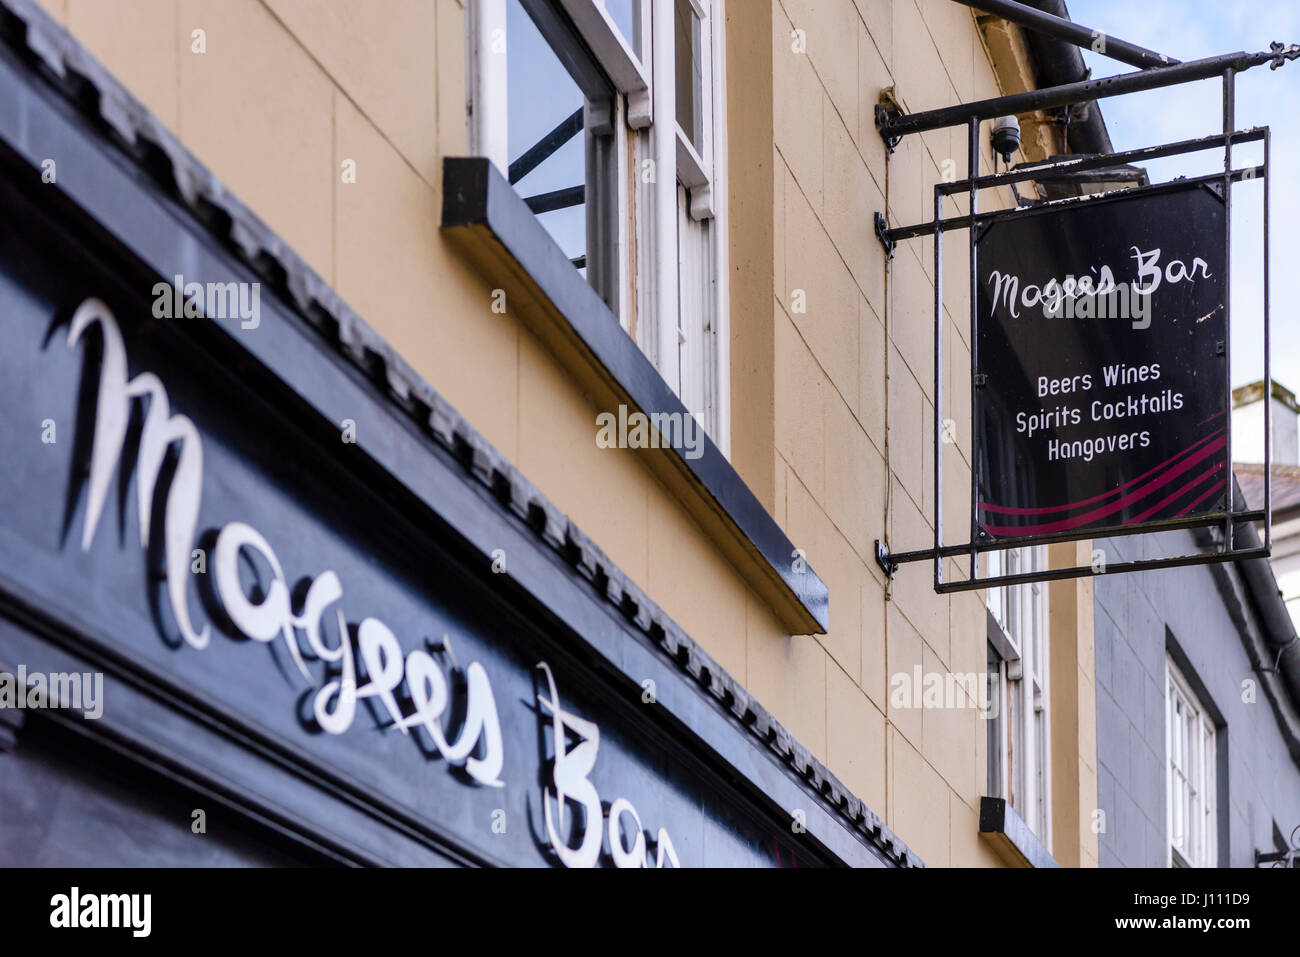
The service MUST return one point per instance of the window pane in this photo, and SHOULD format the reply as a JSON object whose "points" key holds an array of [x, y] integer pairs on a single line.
{"points": [[1180, 798], [1041, 769], [1205, 745], [994, 722], [542, 97], [1193, 822], [690, 78], [1015, 742], [564, 169], [626, 15], [1176, 737]]}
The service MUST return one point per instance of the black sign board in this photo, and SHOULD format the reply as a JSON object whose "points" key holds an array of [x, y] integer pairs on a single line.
{"points": [[1100, 400]]}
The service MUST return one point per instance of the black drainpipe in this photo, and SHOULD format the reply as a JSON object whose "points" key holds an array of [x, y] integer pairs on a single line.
{"points": [[1281, 643], [1265, 627], [1058, 62]]}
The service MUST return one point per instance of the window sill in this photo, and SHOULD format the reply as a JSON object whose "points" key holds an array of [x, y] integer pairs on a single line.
{"points": [[492, 225], [1010, 837], [1000, 640]]}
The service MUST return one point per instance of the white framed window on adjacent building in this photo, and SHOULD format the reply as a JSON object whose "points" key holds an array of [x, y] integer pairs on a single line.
{"points": [[1019, 734], [1191, 782], [609, 118]]}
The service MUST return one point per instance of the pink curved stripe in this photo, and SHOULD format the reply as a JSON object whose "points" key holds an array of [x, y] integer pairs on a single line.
{"points": [[1218, 487], [1136, 495], [1176, 494], [1014, 510]]}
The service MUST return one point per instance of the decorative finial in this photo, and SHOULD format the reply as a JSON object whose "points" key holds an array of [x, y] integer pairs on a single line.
{"points": [[1282, 53]]}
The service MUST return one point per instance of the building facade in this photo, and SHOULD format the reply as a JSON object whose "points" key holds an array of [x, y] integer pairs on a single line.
{"points": [[1198, 691], [580, 364], [1197, 713]]}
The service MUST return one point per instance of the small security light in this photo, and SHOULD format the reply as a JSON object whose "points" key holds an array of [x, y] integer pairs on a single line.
{"points": [[1006, 136]]}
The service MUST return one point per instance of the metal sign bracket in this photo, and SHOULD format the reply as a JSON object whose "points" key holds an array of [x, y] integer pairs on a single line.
{"points": [[893, 124]]}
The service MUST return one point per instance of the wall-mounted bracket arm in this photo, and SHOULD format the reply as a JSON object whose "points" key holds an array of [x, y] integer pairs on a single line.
{"points": [[883, 234], [884, 118], [1050, 25], [883, 559], [893, 125]]}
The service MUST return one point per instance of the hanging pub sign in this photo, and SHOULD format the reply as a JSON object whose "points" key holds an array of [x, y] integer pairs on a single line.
{"points": [[1100, 399], [1099, 336]]}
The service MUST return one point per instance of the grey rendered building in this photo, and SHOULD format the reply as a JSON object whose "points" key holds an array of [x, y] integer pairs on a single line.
{"points": [[1198, 711]]}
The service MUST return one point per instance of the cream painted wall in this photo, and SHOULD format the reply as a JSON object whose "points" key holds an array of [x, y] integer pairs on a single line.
{"points": [[286, 91], [838, 400], [854, 390]]}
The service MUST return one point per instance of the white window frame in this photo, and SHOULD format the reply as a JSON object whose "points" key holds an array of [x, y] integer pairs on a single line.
{"points": [[616, 53], [1024, 688], [650, 287], [1191, 776], [696, 171], [487, 77], [666, 321], [486, 106]]}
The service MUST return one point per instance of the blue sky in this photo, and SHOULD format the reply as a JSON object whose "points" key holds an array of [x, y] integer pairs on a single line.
{"points": [[540, 94], [1191, 29]]}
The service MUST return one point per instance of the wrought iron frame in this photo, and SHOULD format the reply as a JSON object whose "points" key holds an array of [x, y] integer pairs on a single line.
{"points": [[892, 125]]}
